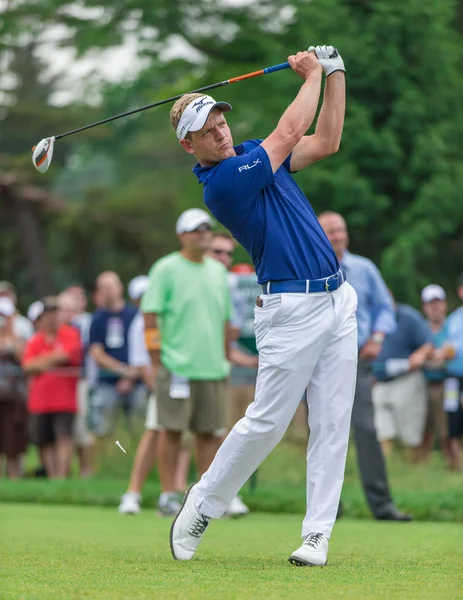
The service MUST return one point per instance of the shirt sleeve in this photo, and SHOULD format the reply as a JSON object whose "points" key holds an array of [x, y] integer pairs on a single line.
{"points": [[138, 354], [97, 333], [381, 305], [237, 180], [156, 296]]}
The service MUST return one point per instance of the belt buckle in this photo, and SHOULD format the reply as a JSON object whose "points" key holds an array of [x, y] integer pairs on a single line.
{"points": [[327, 285]]}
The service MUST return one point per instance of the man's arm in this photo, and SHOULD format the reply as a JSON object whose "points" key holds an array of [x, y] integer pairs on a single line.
{"points": [[382, 306], [420, 356], [105, 361], [327, 137], [44, 362], [299, 115]]}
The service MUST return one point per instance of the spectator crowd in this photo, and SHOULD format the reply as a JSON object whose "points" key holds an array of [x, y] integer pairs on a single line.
{"points": [[179, 359]]}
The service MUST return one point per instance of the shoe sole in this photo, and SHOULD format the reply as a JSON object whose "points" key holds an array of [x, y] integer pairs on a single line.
{"points": [[187, 493], [297, 562]]}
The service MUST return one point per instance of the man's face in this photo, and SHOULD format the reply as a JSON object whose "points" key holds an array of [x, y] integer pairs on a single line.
{"points": [[50, 320], [198, 240], [68, 307], [109, 289], [435, 311], [222, 249], [80, 297], [213, 142], [335, 228]]}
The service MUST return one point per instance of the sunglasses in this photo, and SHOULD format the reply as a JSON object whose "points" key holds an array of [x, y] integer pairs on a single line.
{"points": [[203, 227], [228, 252]]}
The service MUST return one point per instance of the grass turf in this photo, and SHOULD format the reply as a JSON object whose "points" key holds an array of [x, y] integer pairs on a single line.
{"points": [[428, 490], [70, 552]]}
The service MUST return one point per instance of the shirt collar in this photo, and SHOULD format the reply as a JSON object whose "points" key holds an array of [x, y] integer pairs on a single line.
{"points": [[203, 173]]}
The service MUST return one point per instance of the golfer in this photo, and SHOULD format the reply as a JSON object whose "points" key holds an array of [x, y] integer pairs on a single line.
{"points": [[305, 325]]}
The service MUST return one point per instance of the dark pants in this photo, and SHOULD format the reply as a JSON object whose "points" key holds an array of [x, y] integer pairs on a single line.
{"points": [[369, 454]]}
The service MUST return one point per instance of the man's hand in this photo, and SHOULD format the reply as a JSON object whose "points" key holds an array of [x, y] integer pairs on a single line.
{"points": [[329, 58], [124, 386], [304, 64], [370, 350], [416, 361]]}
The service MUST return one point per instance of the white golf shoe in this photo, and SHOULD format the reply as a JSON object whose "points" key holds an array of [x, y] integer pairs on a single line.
{"points": [[188, 528], [130, 504], [312, 553], [237, 508]]}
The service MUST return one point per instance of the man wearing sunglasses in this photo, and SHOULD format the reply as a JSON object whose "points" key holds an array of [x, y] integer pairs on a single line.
{"points": [[187, 309]]}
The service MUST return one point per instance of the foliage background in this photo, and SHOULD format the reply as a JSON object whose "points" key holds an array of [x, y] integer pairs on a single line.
{"points": [[398, 176]]}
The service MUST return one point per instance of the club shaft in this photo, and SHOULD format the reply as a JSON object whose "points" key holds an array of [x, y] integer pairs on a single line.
{"points": [[206, 88]]}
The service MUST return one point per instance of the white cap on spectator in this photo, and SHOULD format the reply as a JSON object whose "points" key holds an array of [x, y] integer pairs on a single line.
{"points": [[7, 308], [191, 219], [35, 310], [433, 292], [138, 286]]}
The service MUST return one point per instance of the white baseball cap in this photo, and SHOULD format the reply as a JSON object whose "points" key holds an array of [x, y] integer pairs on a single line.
{"points": [[433, 292], [195, 114], [191, 219], [7, 308], [35, 310], [138, 286]]}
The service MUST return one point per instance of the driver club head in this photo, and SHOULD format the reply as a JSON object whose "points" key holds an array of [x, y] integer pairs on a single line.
{"points": [[42, 154]]}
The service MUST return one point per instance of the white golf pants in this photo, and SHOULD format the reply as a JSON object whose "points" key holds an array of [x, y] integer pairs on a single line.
{"points": [[304, 341]]}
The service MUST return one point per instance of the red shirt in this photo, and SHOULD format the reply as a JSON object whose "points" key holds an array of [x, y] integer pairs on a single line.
{"points": [[50, 392]]}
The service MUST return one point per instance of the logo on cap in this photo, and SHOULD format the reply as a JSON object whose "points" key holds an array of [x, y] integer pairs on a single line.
{"points": [[201, 103]]}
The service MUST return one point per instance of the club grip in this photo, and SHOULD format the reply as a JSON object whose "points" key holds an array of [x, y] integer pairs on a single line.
{"points": [[276, 68]]}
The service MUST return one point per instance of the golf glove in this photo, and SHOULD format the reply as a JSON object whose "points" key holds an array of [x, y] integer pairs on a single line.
{"points": [[329, 58]]}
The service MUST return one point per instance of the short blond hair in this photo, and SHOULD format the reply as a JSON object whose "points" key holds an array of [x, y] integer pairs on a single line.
{"points": [[178, 108]]}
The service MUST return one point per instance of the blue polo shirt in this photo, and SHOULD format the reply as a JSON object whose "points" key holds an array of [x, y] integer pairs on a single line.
{"points": [[268, 215], [121, 335]]}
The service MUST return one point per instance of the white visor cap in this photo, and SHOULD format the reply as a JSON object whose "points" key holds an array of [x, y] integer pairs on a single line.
{"points": [[196, 113]]}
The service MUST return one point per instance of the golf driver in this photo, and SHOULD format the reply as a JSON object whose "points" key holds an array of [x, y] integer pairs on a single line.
{"points": [[42, 153]]}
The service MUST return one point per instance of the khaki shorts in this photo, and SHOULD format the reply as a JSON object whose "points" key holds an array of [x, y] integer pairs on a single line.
{"points": [[437, 417], [240, 398], [205, 411], [400, 409]]}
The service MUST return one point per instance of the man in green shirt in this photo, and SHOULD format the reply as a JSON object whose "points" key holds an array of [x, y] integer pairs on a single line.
{"points": [[187, 309]]}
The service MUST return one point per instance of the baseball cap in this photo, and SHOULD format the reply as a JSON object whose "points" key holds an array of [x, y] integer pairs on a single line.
{"points": [[7, 308], [35, 310], [138, 286], [195, 114], [433, 292], [191, 219]]}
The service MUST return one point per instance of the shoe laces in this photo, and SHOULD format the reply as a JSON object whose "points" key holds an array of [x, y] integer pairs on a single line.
{"points": [[313, 540], [199, 526]]}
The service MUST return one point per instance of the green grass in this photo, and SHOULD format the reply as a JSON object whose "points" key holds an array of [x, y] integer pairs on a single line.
{"points": [[428, 491], [64, 552]]}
